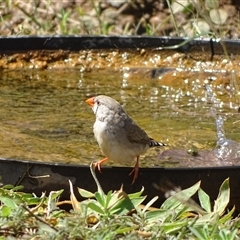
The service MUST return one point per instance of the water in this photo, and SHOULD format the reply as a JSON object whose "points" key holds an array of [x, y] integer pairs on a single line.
{"points": [[225, 149], [44, 116]]}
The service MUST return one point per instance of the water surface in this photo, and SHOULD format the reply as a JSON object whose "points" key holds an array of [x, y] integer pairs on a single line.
{"points": [[44, 116]]}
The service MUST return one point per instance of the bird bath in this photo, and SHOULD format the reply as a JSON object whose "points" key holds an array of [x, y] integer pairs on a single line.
{"points": [[44, 116], [179, 96]]}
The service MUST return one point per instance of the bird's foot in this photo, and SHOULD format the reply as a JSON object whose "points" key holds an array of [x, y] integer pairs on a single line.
{"points": [[99, 163], [135, 171]]}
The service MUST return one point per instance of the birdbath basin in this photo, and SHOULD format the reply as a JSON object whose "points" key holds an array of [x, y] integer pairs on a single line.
{"points": [[181, 92]]}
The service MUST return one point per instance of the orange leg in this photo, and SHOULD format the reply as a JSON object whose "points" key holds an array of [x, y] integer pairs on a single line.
{"points": [[99, 163], [135, 171]]}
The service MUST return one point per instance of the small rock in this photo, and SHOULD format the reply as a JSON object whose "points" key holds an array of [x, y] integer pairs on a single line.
{"points": [[117, 3], [218, 16], [109, 15], [90, 22], [179, 5], [202, 27]]}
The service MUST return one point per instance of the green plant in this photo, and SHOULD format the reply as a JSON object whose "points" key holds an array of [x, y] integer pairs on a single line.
{"points": [[116, 215]]}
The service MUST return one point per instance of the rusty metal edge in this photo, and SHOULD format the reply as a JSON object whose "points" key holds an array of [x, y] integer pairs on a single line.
{"points": [[76, 43], [45, 177]]}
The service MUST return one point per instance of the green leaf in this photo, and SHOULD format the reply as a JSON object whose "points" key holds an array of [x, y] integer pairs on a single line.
{"points": [[150, 203], [223, 197], [86, 194], [227, 216], [207, 218], [108, 198], [101, 198], [226, 234], [180, 197], [204, 200], [125, 205], [8, 202], [137, 201], [96, 208], [5, 211], [200, 233], [45, 229], [136, 195], [17, 188], [56, 194], [8, 186], [116, 197], [125, 230], [174, 226], [32, 200], [157, 215]]}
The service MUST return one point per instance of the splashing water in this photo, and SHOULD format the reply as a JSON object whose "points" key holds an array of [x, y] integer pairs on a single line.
{"points": [[226, 149]]}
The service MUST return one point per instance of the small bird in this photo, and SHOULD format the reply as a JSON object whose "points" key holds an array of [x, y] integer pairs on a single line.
{"points": [[118, 136]]}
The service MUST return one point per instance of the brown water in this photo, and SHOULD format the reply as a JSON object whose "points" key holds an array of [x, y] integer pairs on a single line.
{"points": [[44, 116]]}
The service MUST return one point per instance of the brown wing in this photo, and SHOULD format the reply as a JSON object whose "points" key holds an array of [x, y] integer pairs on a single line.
{"points": [[135, 133]]}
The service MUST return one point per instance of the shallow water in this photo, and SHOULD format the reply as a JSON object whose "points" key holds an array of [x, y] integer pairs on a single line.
{"points": [[44, 116]]}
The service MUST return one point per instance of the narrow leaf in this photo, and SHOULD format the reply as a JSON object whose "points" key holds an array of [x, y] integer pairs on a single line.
{"points": [[108, 199], [75, 204], [136, 195], [204, 200], [227, 216], [86, 194], [150, 203], [8, 202], [8, 186], [17, 188], [96, 208], [199, 233], [223, 197], [181, 197], [56, 194], [101, 198], [174, 226], [157, 215], [125, 205]]}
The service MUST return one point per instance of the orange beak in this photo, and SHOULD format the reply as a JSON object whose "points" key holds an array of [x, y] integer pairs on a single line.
{"points": [[90, 101]]}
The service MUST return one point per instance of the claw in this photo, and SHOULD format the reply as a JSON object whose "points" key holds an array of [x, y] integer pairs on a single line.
{"points": [[99, 163]]}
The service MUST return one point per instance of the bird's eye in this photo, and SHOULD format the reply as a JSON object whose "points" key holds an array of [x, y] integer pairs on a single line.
{"points": [[98, 103]]}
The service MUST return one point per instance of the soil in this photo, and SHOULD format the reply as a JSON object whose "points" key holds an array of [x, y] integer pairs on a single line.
{"points": [[111, 17]]}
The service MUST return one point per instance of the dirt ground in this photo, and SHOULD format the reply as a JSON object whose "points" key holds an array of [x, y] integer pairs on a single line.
{"points": [[118, 17]]}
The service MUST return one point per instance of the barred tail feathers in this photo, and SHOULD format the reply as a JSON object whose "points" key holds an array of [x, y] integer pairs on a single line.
{"points": [[153, 143]]}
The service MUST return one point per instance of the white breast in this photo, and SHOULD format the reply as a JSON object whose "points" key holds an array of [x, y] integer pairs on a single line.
{"points": [[99, 130], [114, 147]]}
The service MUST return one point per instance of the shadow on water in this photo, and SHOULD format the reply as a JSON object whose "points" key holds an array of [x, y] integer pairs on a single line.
{"points": [[44, 116]]}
